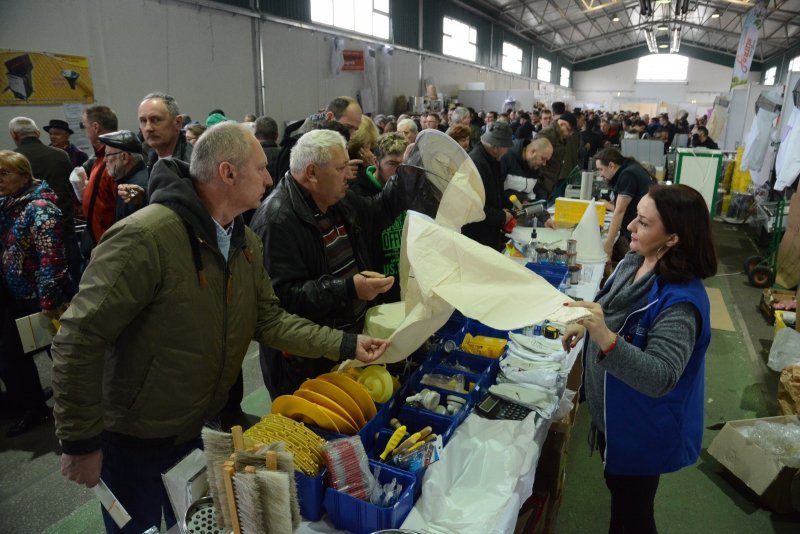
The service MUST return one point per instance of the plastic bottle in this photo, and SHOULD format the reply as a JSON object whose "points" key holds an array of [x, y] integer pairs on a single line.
{"points": [[532, 245]]}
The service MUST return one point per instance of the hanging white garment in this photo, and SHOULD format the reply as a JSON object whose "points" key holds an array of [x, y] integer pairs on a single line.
{"points": [[787, 164], [756, 141]]}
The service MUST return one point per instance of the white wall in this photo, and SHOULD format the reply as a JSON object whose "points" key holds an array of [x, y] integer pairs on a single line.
{"points": [[204, 58], [614, 86]]}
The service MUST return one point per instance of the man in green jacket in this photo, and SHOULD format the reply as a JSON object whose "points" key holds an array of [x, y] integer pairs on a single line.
{"points": [[167, 307]]}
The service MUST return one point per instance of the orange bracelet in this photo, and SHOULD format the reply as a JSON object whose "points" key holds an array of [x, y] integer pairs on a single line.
{"points": [[611, 347]]}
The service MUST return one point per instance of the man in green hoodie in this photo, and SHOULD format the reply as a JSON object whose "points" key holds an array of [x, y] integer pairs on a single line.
{"points": [[156, 336]]}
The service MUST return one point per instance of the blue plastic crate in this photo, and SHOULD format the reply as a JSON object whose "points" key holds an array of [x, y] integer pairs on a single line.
{"points": [[310, 493], [476, 364], [553, 273], [361, 517]]}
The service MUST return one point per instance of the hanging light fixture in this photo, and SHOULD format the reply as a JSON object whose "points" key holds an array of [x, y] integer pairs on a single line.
{"points": [[650, 38], [675, 42], [615, 18], [662, 27], [715, 15]]}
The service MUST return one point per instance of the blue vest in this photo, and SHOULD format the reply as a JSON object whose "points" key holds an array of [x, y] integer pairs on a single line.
{"points": [[652, 435]]}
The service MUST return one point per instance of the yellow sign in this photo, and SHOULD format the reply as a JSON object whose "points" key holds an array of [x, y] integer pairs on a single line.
{"points": [[30, 78]]}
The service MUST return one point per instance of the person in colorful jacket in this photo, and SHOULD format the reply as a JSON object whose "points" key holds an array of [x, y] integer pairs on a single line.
{"points": [[34, 278], [645, 356]]}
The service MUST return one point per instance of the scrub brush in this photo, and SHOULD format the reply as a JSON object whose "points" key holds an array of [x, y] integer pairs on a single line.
{"points": [[249, 501], [218, 447]]}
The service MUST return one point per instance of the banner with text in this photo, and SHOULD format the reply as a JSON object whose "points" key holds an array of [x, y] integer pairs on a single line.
{"points": [[30, 78], [747, 43]]}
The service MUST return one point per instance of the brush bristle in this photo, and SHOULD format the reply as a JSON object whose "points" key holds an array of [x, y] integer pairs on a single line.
{"points": [[275, 501], [249, 503], [218, 446]]}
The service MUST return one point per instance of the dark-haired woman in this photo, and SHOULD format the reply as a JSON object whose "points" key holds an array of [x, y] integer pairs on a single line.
{"points": [[645, 353], [630, 182]]}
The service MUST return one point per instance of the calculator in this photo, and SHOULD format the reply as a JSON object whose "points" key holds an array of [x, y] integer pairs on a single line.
{"points": [[493, 407]]}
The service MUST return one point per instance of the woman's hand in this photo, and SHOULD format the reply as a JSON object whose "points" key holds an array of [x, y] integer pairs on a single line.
{"points": [[595, 324], [572, 334]]}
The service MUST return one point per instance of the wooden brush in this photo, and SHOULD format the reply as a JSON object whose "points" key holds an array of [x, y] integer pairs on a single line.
{"points": [[227, 472], [249, 501], [276, 502], [218, 446]]}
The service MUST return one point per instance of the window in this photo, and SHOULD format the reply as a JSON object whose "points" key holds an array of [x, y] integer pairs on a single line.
{"points": [[370, 17], [565, 76], [512, 58], [543, 67], [459, 39], [662, 68], [794, 64], [769, 76]]}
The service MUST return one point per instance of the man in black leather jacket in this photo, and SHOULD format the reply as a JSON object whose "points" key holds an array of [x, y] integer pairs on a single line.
{"points": [[316, 236]]}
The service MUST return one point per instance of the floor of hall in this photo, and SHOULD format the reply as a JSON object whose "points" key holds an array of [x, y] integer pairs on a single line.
{"points": [[35, 498]]}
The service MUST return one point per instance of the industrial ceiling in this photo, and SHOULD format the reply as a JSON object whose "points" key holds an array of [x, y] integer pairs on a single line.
{"points": [[588, 29]]}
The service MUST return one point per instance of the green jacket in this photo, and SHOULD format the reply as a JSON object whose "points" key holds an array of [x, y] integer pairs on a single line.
{"points": [[155, 338]]}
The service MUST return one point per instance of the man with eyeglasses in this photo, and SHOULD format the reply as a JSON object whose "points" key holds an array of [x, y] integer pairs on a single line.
{"points": [[560, 165], [125, 163], [317, 236]]}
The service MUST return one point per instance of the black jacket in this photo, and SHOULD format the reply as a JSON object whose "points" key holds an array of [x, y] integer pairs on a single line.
{"points": [[489, 231], [52, 165], [294, 255]]}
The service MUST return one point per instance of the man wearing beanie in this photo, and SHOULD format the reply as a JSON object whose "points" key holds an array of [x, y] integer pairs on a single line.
{"points": [[487, 155]]}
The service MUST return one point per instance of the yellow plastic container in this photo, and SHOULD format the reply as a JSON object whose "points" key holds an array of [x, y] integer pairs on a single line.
{"points": [[489, 347], [779, 324], [569, 211]]}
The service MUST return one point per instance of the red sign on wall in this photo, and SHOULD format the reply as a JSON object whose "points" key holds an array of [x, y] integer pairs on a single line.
{"points": [[353, 60]]}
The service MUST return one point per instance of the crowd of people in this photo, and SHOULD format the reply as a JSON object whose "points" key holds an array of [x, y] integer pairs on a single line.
{"points": [[200, 237]]}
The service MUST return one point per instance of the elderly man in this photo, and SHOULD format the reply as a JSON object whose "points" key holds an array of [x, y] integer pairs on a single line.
{"points": [[53, 166], [409, 129], [59, 132], [100, 194], [160, 123], [317, 236], [522, 165], [562, 162], [125, 164], [151, 344], [487, 156]]}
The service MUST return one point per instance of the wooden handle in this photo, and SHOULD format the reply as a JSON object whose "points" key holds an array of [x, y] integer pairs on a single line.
{"points": [[238, 438], [272, 460], [227, 470]]}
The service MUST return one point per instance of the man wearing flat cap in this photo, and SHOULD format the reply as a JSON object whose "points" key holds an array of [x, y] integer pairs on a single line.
{"points": [[487, 155], [563, 161], [125, 163], [59, 132]]}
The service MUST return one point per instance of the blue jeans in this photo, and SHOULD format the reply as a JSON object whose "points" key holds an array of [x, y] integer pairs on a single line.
{"points": [[132, 470]]}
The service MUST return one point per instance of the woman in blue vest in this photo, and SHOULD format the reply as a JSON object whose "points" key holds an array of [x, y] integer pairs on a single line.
{"points": [[645, 353]]}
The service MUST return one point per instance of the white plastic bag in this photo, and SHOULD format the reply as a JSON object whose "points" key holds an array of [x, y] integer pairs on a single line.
{"points": [[77, 179], [785, 349]]}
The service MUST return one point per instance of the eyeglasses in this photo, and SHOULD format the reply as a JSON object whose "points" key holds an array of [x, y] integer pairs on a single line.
{"points": [[114, 154]]}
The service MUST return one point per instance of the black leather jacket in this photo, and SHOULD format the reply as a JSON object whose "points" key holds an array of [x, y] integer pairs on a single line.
{"points": [[294, 255]]}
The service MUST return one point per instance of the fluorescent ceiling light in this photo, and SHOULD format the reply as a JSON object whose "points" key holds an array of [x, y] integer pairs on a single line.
{"points": [[662, 27], [675, 42], [615, 18], [663, 1], [715, 15], [663, 45]]}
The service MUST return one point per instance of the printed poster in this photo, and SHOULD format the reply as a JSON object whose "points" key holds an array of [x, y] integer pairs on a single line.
{"points": [[41, 78]]}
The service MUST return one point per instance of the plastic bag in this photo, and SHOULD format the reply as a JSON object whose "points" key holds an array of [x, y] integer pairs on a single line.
{"points": [[785, 349]]}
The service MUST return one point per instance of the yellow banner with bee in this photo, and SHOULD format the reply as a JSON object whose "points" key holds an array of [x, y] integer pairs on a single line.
{"points": [[41, 78]]}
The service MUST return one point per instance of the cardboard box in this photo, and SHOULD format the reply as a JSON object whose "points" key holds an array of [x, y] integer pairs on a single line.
{"points": [[770, 297], [776, 484]]}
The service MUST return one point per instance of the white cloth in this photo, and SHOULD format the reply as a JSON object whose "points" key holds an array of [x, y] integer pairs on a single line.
{"points": [[787, 163]]}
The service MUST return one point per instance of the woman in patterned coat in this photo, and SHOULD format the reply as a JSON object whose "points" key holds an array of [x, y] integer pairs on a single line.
{"points": [[33, 277]]}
